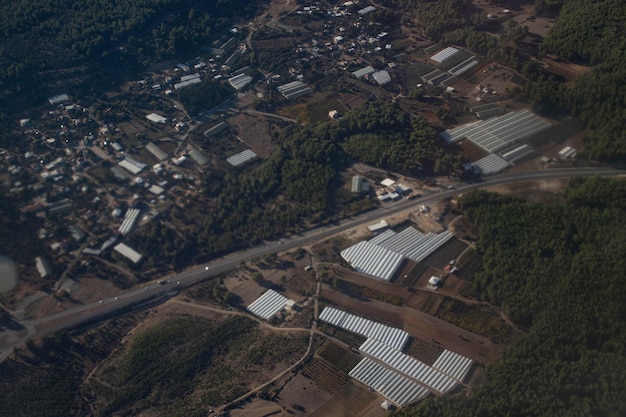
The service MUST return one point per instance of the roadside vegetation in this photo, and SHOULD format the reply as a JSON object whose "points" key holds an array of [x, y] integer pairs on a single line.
{"points": [[554, 269]]}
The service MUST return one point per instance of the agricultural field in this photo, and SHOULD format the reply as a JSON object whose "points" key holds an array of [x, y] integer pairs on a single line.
{"points": [[447, 252], [339, 357], [325, 375], [469, 265], [344, 336], [476, 319], [365, 291], [424, 352]]}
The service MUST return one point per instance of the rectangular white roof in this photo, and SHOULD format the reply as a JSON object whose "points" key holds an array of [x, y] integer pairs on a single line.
{"points": [[391, 336], [127, 252], [392, 385], [444, 54], [156, 151], [407, 365], [156, 118], [491, 164], [268, 305], [373, 260], [381, 77], [453, 364], [363, 72], [241, 158], [499, 132]]}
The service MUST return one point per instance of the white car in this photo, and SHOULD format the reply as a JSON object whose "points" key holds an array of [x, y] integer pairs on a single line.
{"points": [[101, 301], [206, 268]]}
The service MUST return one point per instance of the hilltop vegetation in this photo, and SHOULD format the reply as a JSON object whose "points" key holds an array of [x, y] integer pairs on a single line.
{"points": [[555, 270]]}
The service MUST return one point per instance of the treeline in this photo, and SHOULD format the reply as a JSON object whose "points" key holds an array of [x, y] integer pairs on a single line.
{"points": [[556, 269], [593, 33]]}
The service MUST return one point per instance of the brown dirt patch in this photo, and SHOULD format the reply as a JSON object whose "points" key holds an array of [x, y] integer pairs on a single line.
{"points": [[256, 132], [534, 191]]}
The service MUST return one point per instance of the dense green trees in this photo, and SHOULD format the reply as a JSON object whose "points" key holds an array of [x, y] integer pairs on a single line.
{"points": [[558, 270], [202, 97]]}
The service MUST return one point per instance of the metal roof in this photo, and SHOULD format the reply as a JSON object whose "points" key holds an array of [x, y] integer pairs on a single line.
{"points": [[241, 158], [373, 260], [390, 336], [127, 252], [414, 244], [130, 219], [156, 151], [363, 72], [381, 77], [444, 54], [294, 89], [187, 83], [453, 364], [197, 156], [395, 387], [491, 164], [517, 153], [464, 66], [268, 304], [240, 81], [409, 366], [498, 132]]}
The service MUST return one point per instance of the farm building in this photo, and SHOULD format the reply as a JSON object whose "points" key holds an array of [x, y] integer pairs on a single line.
{"points": [[499, 132], [381, 77], [241, 158], [156, 118], [130, 220], [197, 156], [390, 336], [269, 304], [366, 10], [156, 151], [132, 166], [239, 82], [61, 98], [363, 72], [382, 255], [378, 227], [359, 185], [42, 266], [128, 252], [444, 54], [294, 90], [220, 127], [491, 164]]}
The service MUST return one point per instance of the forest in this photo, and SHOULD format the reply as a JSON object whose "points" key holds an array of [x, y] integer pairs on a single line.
{"points": [[95, 43], [556, 270]]}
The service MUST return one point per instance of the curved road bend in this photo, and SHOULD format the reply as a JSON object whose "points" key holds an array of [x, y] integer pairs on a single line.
{"points": [[142, 296]]}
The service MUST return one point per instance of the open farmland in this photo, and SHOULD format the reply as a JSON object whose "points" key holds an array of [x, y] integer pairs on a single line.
{"points": [[339, 357], [449, 251], [424, 352], [325, 375]]}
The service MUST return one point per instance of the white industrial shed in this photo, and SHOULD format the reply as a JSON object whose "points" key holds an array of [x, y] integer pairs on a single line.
{"points": [[391, 336], [268, 305], [499, 132], [127, 252], [407, 365], [453, 364], [374, 260], [129, 164], [241, 158], [491, 164], [156, 118], [395, 387]]}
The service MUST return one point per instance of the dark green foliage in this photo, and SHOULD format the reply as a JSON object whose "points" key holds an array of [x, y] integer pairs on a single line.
{"points": [[204, 96], [558, 270]]}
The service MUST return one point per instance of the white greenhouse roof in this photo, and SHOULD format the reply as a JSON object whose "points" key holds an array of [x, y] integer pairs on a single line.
{"points": [[187, 83], [464, 66], [127, 252], [499, 132], [395, 387], [241, 158], [131, 165], [391, 336], [453, 364], [491, 164], [294, 89], [407, 365], [414, 244], [444, 54], [363, 72], [381, 77], [130, 219], [156, 118], [268, 305], [156, 151], [373, 260], [240, 81]]}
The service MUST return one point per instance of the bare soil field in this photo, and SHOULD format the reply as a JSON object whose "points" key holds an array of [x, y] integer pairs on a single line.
{"points": [[353, 401], [468, 150], [568, 70], [420, 325]]}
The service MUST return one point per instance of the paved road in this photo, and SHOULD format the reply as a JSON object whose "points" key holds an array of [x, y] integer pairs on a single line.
{"points": [[154, 293]]}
